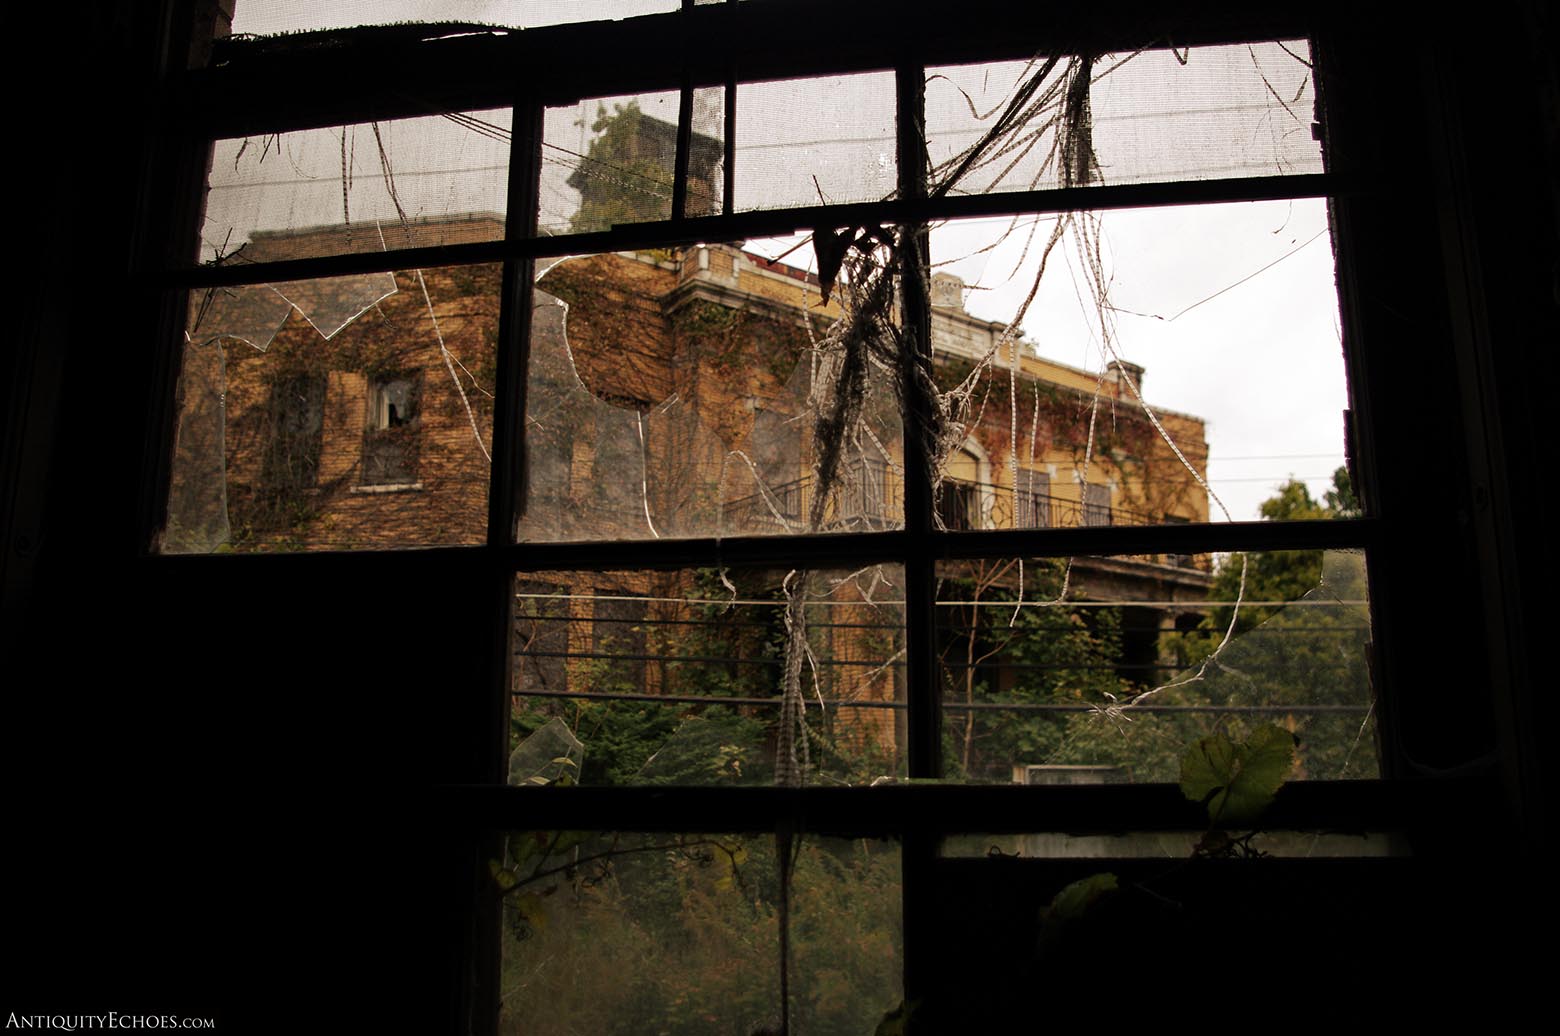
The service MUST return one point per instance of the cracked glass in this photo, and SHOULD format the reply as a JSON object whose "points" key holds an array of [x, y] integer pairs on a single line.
{"points": [[342, 413], [1199, 113], [704, 391]]}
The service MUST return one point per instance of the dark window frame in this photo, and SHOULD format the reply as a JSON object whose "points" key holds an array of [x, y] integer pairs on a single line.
{"points": [[228, 101]]}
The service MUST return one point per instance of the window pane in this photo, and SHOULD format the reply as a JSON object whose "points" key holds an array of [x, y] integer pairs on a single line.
{"points": [[1173, 365], [702, 391], [1104, 670], [608, 933], [368, 187], [707, 153], [346, 413], [611, 160], [815, 141], [708, 677], [1155, 115], [268, 17]]}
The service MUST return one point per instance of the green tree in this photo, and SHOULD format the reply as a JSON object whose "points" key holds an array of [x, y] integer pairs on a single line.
{"points": [[1308, 652], [1038, 656], [1279, 575], [627, 173]]}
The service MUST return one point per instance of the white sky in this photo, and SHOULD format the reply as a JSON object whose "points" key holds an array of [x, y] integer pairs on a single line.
{"points": [[263, 17], [1261, 363]]}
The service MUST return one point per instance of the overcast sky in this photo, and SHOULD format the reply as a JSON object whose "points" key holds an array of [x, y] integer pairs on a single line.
{"points": [[1249, 339]]}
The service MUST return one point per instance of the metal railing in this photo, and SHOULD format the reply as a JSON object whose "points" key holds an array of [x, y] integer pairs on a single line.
{"points": [[869, 497], [964, 504], [866, 498]]}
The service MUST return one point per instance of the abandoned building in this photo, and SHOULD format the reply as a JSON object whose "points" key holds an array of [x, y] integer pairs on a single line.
{"points": [[672, 395]]}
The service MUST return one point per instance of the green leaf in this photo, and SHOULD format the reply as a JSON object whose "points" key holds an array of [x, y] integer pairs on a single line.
{"points": [[502, 877], [1072, 901], [1237, 780], [529, 906]]}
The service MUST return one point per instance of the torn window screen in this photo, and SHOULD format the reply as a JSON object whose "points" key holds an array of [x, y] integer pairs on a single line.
{"points": [[1153, 115], [815, 141], [758, 388], [368, 187], [1218, 323], [1233, 303]]}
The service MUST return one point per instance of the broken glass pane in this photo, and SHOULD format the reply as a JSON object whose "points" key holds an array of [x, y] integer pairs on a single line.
{"points": [[374, 437], [1103, 670], [1154, 115], [603, 931], [368, 187], [550, 755], [708, 676], [690, 392], [611, 160], [251, 313], [1169, 365], [818, 141]]}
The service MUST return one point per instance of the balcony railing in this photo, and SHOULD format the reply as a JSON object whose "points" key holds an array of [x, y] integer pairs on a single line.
{"points": [[982, 505], [868, 497]]}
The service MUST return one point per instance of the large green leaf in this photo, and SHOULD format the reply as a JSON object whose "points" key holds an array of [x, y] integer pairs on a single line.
{"points": [[1237, 780], [1071, 902]]}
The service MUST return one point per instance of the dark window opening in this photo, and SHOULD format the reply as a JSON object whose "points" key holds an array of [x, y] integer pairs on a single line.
{"points": [[390, 440], [296, 412]]}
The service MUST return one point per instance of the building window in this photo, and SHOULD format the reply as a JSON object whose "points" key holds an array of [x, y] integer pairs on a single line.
{"points": [[1096, 504], [297, 412], [1032, 505], [390, 441]]}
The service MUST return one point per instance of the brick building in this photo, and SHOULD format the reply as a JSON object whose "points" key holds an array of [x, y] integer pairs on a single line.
{"points": [[670, 394]]}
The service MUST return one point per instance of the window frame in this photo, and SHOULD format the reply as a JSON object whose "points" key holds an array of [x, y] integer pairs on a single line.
{"points": [[230, 100]]}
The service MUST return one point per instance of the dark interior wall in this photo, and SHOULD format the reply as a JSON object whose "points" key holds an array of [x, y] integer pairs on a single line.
{"points": [[216, 771]]}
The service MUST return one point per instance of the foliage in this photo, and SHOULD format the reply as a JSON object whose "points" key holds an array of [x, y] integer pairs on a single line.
{"points": [[1237, 780], [1308, 655], [1048, 655], [678, 934], [621, 184], [1279, 575]]}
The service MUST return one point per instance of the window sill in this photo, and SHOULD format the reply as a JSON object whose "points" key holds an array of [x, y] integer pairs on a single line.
{"points": [[390, 487]]}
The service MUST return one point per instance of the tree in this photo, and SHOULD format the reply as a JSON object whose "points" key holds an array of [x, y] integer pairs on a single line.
{"points": [[1306, 648], [1022, 657], [627, 173], [1279, 575]]}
